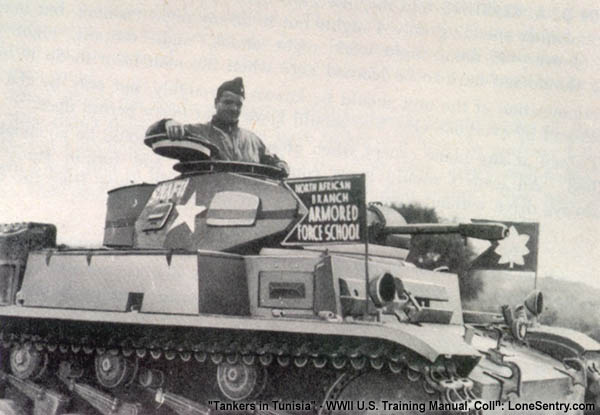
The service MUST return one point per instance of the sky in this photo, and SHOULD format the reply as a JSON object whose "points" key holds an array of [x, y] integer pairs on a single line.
{"points": [[481, 109]]}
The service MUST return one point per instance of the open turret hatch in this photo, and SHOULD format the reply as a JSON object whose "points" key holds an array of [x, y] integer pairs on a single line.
{"points": [[188, 148]]}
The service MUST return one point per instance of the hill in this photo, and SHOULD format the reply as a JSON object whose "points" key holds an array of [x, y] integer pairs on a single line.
{"points": [[567, 304]]}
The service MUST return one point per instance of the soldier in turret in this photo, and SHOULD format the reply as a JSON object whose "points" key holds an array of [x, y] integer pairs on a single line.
{"points": [[232, 143]]}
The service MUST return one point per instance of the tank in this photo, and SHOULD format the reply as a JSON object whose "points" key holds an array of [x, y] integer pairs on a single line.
{"points": [[229, 288]]}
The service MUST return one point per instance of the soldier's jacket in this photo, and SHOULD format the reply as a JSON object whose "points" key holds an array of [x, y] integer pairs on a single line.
{"points": [[234, 144]]}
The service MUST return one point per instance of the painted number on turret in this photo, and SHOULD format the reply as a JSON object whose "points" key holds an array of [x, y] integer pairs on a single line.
{"points": [[171, 191], [334, 210]]}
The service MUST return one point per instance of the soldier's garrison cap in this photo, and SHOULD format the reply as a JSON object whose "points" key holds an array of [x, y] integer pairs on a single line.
{"points": [[235, 85]]}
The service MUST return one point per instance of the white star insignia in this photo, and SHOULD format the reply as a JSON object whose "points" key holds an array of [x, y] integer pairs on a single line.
{"points": [[187, 214], [513, 249]]}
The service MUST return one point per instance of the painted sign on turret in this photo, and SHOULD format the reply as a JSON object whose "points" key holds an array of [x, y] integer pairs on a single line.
{"points": [[334, 209]]}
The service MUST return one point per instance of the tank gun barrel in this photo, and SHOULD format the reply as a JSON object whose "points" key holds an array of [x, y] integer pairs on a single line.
{"points": [[487, 231]]}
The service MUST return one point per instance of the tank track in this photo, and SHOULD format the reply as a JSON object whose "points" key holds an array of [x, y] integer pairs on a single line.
{"points": [[140, 373]]}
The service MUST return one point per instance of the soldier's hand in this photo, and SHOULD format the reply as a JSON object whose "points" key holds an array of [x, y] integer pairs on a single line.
{"points": [[174, 129], [273, 160], [284, 167]]}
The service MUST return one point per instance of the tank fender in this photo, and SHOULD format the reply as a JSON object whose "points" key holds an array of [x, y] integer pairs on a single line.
{"points": [[561, 343], [571, 347], [435, 340]]}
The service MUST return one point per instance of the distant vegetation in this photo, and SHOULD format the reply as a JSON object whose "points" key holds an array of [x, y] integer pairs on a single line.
{"points": [[567, 304]]}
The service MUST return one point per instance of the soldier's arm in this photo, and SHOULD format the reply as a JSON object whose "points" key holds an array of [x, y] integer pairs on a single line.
{"points": [[272, 160], [264, 155], [194, 132]]}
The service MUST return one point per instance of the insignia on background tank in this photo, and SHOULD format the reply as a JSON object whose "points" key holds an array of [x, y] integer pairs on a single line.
{"points": [[229, 288]]}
